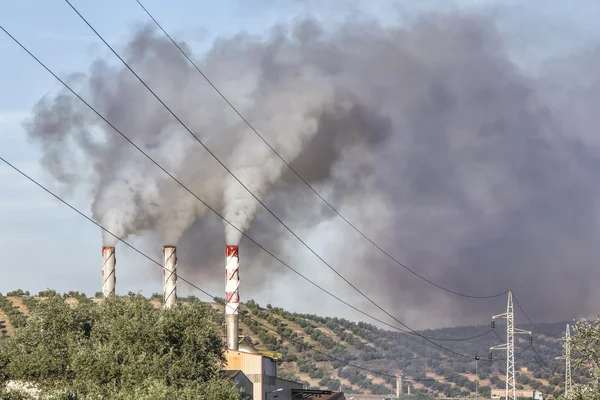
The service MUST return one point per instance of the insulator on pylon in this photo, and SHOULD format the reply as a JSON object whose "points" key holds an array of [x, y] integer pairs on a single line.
{"points": [[493, 324], [490, 355], [530, 339]]}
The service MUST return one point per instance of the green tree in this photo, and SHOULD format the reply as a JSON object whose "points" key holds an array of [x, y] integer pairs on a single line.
{"points": [[18, 292], [585, 349], [123, 348]]}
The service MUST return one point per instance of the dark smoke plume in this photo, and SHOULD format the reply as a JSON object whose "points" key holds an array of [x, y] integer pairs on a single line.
{"points": [[427, 137]]}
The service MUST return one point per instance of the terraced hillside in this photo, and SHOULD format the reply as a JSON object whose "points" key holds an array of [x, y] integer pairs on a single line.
{"points": [[359, 357]]}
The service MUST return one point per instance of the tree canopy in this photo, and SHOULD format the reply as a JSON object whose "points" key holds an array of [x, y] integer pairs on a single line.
{"points": [[585, 350], [123, 348]]}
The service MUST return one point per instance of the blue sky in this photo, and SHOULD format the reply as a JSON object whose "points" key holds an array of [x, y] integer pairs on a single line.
{"points": [[36, 229]]}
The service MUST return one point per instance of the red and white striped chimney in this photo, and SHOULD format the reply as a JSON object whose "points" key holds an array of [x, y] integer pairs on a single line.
{"points": [[232, 294], [170, 276], [108, 271]]}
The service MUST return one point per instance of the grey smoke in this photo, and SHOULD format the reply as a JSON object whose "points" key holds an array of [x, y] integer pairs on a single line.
{"points": [[427, 137]]}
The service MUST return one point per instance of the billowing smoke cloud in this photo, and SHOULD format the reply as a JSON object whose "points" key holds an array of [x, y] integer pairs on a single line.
{"points": [[427, 137], [288, 107], [130, 195]]}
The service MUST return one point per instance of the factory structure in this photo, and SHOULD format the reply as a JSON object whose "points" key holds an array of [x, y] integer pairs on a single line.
{"points": [[251, 371]]}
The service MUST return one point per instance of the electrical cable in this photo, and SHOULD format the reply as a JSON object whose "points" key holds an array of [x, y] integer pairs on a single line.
{"points": [[245, 120], [537, 362], [411, 331], [226, 305], [248, 190], [496, 333], [183, 279], [542, 360], [460, 339], [445, 378], [485, 362], [529, 319]]}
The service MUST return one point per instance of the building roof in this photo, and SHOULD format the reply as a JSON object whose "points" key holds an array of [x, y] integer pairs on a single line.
{"points": [[287, 380], [235, 374], [230, 373], [306, 394], [247, 348], [250, 354]]}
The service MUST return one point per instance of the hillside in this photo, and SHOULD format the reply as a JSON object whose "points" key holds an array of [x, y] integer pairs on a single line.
{"points": [[425, 367]]}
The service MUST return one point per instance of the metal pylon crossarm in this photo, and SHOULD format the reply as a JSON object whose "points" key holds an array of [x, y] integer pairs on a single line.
{"points": [[498, 347]]}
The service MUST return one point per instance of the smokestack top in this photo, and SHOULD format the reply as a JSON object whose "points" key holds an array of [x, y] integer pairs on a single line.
{"points": [[108, 252], [169, 246], [231, 251]]}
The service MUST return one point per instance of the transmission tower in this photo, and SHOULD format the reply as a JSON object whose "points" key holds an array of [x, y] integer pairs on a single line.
{"points": [[509, 346], [567, 357]]}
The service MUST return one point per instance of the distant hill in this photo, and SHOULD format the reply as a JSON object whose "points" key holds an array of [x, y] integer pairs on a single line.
{"points": [[425, 367]]}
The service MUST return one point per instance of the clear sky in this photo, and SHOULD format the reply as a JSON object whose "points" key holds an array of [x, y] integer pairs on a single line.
{"points": [[37, 232]]}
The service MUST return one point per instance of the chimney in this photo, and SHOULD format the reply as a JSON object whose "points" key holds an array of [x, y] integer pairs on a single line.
{"points": [[232, 294], [108, 271], [170, 276]]}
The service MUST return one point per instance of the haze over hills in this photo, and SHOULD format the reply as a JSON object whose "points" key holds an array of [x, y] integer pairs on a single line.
{"points": [[361, 358]]}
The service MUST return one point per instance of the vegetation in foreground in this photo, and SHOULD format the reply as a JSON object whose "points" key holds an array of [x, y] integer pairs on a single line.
{"points": [[585, 347], [428, 370], [123, 348]]}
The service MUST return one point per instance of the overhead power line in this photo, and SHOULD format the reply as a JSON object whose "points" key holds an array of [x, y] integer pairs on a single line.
{"points": [[461, 339], [542, 360], [445, 378], [529, 319], [466, 373], [410, 330], [183, 279], [245, 120], [179, 277], [214, 298]]}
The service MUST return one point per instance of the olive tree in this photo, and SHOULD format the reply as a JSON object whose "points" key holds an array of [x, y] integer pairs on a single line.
{"points": [[585, 350], [123, 348]]}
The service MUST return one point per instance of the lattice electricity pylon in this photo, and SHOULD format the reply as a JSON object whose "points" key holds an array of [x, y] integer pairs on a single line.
{"points": [[567, 357], [509, 346]]}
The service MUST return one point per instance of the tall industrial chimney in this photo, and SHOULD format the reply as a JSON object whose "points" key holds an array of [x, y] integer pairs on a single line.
{"points": [[232, 293], [170, 276], [108, 271]]}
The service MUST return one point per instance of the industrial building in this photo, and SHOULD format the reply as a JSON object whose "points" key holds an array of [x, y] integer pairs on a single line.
{"points": [[262, 372], [521, 394], [241, 382], [306, 394]]}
